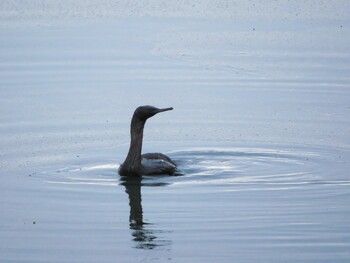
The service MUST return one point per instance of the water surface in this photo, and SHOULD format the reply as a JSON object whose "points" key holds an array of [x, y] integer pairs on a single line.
{"points": [[260, 130]]}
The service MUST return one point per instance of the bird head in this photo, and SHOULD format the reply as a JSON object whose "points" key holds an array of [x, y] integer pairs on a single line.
{"points": [[144, 112]]}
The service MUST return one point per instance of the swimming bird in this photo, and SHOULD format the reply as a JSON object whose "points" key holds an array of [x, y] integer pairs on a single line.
{"points": [[136, 164]]}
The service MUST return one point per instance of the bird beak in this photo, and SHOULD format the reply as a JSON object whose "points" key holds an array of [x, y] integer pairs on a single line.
{"points": [[165, 109]]}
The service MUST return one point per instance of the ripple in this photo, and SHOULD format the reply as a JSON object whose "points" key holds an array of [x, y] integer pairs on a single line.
{"points": [[253, 168], [97, 174], [225, 169]]}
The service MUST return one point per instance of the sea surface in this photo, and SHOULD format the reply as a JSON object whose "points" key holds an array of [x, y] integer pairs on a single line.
{"points": [[260, 131]]}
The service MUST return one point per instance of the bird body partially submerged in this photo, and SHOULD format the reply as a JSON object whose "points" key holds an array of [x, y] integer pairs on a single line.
{"points": [[136, 164], [157, 166]]}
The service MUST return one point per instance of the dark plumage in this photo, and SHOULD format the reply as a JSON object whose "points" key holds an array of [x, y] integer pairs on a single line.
{"points": [[136, 164]]}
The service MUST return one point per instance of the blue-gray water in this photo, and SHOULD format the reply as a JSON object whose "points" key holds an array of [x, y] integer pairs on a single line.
{"points": [[260, 129]]}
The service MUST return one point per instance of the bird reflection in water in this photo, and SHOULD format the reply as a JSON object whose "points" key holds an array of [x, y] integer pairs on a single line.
{"points": [[144, 237]]}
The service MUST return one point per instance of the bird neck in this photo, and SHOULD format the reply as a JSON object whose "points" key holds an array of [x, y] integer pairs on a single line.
{"points": [[132, 164]]}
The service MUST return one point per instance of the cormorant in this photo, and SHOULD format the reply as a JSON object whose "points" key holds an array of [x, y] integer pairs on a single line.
{"points": [[136, 164]]}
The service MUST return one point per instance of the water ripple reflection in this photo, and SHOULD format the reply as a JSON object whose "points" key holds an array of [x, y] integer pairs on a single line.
{"points": [[226, 168], [253, 168]]}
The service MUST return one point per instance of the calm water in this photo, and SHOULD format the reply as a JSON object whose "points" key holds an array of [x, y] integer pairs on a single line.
{"points": [[250, 203], [260, 130]]}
